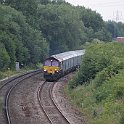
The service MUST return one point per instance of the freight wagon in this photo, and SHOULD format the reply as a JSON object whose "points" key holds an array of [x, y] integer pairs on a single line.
{"points": [[120, 39]]}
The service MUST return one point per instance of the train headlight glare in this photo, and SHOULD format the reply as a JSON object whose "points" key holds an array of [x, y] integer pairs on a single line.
{"points": [[44, 70]]}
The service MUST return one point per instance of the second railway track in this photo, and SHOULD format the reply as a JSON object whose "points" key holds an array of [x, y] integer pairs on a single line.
{"points": [[31, 100], [5, 91], [47, 104]]}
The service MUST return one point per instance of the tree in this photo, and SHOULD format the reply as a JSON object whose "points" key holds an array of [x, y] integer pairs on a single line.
{"points": [[58, 1], [44, 1], [9, 46], [28, 7], [4, 58], [103, 35], [116, 29], [112, 28], [19, 38], [61, 26], [91, 18]]}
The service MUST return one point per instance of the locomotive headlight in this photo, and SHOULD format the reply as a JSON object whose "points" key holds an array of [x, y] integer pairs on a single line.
{"points": [[45, 70], [56, 70]]}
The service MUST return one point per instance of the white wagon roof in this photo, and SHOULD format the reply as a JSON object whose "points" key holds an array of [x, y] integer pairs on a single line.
{"points": [[67, 55]]}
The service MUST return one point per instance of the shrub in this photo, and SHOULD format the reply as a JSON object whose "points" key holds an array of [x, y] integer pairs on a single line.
{"points": [[122, 118], [102, 72], [101, 59], [107, 73]]}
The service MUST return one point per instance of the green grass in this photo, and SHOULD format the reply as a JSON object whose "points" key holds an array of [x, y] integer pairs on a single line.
{"points": [[98, 88], [9, 73], [103, 104]]}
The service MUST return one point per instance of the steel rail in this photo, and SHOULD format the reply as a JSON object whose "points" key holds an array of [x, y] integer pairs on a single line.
{"points": [[40, 103], [7, 113], [51, 98], [14, 78]]}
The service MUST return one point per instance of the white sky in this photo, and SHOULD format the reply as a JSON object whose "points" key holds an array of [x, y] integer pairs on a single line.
{"points": [[109, 9]]}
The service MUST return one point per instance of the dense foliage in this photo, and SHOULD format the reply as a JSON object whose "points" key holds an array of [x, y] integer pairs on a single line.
{"points": [[116, 29], [19, 41], [30, 30], [61, 27], [102, 78]]}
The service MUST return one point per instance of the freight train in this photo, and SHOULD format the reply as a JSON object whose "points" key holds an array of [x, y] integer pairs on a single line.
{"points": [[60, 64]]}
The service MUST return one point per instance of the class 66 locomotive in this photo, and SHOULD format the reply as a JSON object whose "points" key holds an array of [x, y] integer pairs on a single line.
{"points": [[58, 65]]}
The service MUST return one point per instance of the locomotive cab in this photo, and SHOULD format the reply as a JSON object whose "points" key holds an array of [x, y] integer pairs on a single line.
{"points": [[51, 69]]}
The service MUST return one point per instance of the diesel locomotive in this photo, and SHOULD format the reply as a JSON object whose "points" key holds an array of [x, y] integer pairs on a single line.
{"points": [[60, 64]]}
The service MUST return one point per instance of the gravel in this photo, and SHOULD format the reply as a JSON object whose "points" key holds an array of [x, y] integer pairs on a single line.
{"points": [[24, 107], [23, 103], [69, 111]]}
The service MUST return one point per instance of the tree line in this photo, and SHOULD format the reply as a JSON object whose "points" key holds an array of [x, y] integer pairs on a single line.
{"points": [[30, 30]]}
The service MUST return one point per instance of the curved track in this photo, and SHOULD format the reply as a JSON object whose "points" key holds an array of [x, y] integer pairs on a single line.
{"points": [[12, 84], [14, 78], [28, 99], [47, 104]]}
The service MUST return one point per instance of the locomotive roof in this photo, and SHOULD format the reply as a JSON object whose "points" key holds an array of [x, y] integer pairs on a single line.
{"points": [[67, 55]]}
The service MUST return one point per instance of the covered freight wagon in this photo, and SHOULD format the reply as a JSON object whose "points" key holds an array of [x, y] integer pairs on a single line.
{"points": [[120, 39]]}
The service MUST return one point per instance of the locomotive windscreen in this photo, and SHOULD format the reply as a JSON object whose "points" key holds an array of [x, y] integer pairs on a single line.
{"points": [[55, 63], [51, 63], [47, 63]]}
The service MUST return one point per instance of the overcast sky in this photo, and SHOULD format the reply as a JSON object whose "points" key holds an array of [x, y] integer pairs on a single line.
{"points": [[109, 9]]}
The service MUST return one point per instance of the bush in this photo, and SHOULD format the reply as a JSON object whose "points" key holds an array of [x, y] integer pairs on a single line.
{"points": [[39, 65], [122, 118], [101, 59], [102, 72], [107, 73], [0, 75], [4, 57], [118, 88]]}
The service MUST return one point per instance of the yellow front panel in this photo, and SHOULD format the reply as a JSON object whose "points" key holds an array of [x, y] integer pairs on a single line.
{"points": [[51, 69]]}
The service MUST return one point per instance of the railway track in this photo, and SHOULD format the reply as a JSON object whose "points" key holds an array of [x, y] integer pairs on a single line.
{"points": [[48, 106], [17, 77], [30, 100], [6, 88]]}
